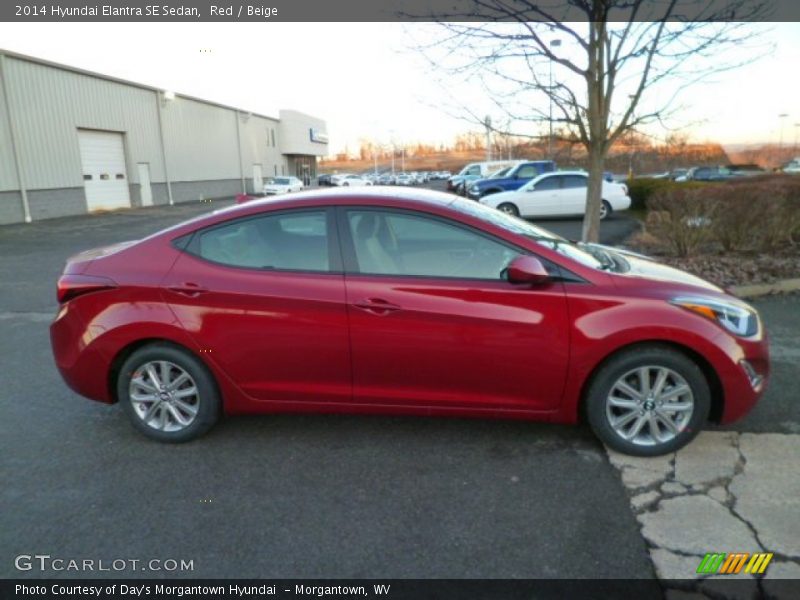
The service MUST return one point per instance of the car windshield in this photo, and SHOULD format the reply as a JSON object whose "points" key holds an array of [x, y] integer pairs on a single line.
{"points": [[521, 227], [281, 181], [500, 173]]}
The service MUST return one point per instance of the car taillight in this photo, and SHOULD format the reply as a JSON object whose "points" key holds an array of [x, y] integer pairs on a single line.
{"points": [[71, 286]]}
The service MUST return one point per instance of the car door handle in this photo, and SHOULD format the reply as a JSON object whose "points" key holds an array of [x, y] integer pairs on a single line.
{"points": [[377, 306], [192, 290]]}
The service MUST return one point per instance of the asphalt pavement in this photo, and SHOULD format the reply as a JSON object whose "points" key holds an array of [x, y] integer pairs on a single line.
{"points": [[285, 496], [303, 496]]}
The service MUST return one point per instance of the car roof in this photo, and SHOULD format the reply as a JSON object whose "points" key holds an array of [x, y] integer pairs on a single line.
{"points": [[573, 172]]}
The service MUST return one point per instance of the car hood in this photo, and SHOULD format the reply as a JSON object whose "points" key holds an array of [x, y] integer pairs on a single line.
{"points": [[645, 268]]}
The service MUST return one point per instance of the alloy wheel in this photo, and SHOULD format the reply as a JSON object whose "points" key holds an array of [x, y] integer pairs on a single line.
{"points": [[164, 396], [650, 405]]}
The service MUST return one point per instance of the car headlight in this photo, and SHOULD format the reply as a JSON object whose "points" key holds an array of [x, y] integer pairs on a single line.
{"points": [[737, 317]]}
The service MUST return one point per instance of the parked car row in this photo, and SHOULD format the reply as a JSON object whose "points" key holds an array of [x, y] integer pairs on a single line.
{"points": [[383, 178], [793, 166]]}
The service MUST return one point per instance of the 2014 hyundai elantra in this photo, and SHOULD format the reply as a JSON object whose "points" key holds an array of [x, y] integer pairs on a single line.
{"points": [[402, 302]]}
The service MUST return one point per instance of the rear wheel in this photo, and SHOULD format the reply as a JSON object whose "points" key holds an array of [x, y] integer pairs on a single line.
{"points": [[509, 209], [605, 210], [648, 401], [168, 394]]}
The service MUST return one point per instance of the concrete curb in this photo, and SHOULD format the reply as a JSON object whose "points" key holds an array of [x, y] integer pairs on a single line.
{"points": [[784, 286]]}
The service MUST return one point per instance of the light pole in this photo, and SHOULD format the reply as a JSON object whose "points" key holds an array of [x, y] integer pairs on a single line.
{"points": [[796, 130], [631, 150], [553, 44], [782, 117], [488, 124]]}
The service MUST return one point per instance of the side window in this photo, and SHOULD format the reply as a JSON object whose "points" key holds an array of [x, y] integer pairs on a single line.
{"points": [[476, 170], [288, 241], [575, 181], [549, 183], [527, 172], [391, 243]]}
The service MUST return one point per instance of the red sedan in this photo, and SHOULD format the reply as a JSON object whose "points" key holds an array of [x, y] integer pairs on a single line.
{"points": [[402, 302]]}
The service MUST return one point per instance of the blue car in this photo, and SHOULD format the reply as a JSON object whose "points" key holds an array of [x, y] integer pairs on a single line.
{"points": [[516, 177]]}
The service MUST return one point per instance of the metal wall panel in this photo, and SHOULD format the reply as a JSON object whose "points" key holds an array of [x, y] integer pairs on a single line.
{"points": [[51, 104], [200, 140], [295, 134], [8, 170], [257, 144]]}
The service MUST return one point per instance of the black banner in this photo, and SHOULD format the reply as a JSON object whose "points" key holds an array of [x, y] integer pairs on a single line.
{"points": [[393, 589], [376, 10]]}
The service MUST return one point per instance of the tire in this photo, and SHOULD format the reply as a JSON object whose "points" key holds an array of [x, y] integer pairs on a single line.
{"points": [[605, 210], [199, 410], [614, 421], [345, 184], [509, 208]]}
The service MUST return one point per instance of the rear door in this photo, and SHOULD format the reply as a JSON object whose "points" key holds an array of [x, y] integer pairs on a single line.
{"points": [[433, 323], [573, 194], [264, 298]]}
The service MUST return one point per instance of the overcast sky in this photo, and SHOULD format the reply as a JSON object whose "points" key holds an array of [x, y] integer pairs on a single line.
{"points": [[365, 82]]}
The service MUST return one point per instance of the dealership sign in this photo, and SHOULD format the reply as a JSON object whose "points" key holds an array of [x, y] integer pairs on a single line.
{"points": [[318, 136]]}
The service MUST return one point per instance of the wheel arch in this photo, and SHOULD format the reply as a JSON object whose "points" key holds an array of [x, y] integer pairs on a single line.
{"points": [[712, 378], [126, 351]]}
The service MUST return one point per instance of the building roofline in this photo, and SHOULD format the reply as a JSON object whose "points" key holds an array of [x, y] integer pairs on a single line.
{"points": [[63, 67]]}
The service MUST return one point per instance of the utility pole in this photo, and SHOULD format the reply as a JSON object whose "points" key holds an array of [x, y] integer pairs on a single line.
{"points": [[553, 44]]}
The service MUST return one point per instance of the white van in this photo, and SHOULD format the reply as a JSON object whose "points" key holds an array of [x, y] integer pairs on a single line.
{"points": [[478, 170]]}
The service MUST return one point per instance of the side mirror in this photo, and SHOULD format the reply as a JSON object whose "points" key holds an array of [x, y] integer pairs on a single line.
{"points": [[526, 269]]}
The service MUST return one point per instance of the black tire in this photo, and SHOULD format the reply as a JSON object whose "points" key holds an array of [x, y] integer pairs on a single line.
{"points": [[509, 208], [208, 402], [604, 214], [656, 356]]}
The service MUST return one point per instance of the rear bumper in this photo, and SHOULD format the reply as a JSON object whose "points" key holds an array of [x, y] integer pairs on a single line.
{"points": [[82, 366]]}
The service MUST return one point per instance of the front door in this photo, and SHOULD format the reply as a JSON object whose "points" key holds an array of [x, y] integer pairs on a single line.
{"points": [[543, 200], [434, 324], [264, 297]]}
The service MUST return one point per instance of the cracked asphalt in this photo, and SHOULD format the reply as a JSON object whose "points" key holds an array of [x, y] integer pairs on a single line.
{"points": [[327, 496], [726, 492]]}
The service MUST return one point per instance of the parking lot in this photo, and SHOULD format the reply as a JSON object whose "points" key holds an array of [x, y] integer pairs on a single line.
{"points": [[307, 496]]}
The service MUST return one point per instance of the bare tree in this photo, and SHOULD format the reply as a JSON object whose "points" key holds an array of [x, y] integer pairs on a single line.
{"points": [[591, 83]]}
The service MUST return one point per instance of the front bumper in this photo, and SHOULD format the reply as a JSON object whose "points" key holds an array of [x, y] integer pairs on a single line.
{"points": [[743, 374]]}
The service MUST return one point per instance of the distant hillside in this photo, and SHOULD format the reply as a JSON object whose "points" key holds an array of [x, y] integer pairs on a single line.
{"points": [[642, 157]]}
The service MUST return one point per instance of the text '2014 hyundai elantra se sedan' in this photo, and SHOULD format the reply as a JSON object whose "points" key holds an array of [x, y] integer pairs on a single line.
{"points": [[402, 302]]}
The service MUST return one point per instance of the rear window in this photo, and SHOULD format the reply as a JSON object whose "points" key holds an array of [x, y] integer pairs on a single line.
{"points": [[295, 241]]}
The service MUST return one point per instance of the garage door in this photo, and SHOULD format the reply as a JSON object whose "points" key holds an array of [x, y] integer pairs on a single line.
{"points": [[104, 176]]}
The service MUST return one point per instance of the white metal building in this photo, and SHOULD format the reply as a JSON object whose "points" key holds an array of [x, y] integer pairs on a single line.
{"points": [[72, 141]]}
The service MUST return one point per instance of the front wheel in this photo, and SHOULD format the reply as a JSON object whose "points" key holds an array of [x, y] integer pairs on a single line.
{"points": [[509, 209], [168, 394], [605, 210], [648, 401]]}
